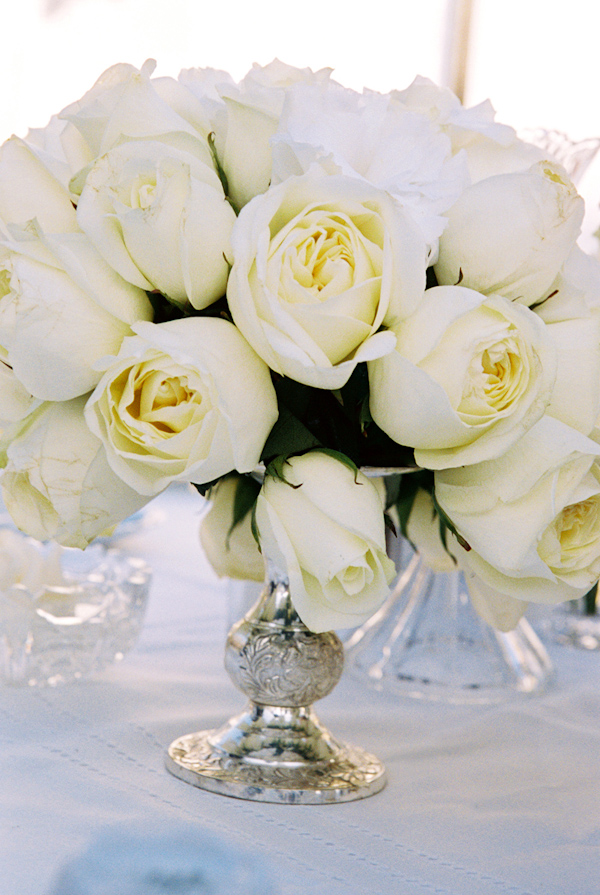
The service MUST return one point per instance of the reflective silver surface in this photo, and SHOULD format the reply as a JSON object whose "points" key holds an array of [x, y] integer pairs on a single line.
{"points": [[277, 750]]}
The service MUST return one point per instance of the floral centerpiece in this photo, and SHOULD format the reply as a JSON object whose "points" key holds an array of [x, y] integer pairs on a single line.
{"points": [[199, 276]]}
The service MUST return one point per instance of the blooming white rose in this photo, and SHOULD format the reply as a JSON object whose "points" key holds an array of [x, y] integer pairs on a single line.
{"points": [[57, 484], [324, 527], [490, 147], [28, 189], [156, 211], [62, 308], [320, 263], [253, 110], [125, 104], [186, 400], [510, 234], [370, 137], [469, 375], [232, 553], [531, 517]]}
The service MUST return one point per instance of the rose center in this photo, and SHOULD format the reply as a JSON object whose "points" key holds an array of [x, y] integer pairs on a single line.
{"points": [[494, 379], [167, 404], [321, 258], [142, 192], [572, 541]]}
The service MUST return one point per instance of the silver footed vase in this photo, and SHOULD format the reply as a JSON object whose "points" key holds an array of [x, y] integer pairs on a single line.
{"points": [[277, 750]]}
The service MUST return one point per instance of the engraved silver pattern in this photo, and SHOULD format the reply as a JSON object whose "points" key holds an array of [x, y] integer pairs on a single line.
{"points": [[277, 750]]}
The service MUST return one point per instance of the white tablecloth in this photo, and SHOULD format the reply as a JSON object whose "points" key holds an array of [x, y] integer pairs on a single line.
{"points": [[481, 800]]}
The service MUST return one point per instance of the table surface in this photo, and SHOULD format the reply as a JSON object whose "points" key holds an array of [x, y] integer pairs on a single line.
{"points": [[481, 800]]}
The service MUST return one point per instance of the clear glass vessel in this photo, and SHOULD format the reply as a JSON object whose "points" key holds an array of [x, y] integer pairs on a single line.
{"points": [[69, 631], [427, 642]]}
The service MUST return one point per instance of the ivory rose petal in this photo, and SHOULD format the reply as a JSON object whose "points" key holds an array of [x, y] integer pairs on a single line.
{"points": [[62, 308], [511, 233], [319, 265], [469, 375], [157, 213], [187, 400], [324, 526], [531, 517], [232, 553], [57, 484]]}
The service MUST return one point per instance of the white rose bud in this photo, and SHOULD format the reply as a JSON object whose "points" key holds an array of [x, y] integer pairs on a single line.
{"points": [[531, 517], [469, 375], [57, 484], [320, 263], [232, 553], [186, 401], [510, 234], [324, 527], [157, 213], [62, 308]]}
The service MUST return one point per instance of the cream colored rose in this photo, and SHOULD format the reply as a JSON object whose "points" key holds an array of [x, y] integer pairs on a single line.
{"points": [[375, 139], [252, 113], [531, 517], [324, 527], [469, 375], [157, 213], [57, 484], [29, 189], [186, 401], [320, 263], [127, 104], [489, 147], [62, 308], [232, 553], [423, 531], [510, 234]]}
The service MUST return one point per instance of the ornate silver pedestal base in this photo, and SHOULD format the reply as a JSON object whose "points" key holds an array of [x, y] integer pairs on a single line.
{"points": [[277, 751], [298, 762]]}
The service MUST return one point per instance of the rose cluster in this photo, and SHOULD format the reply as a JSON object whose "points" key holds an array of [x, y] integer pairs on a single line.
{"points": [[199, 278]]}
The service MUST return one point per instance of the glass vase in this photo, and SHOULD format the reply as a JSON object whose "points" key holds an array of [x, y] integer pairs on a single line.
{"points": [[427, 642], [277, 750]]}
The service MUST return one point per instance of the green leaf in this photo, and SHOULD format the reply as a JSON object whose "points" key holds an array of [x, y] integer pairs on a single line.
{"points": [[246, 492], [217, 163], [288, 436]]}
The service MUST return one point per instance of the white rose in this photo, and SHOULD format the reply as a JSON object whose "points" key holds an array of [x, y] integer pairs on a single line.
{"points": [[62, 308], [510, 234], [253, 110], [125, 104], [490, 147], [320, 263], [531, 517], [157, 213], [324, 527], [28, 189], [232, 553], [423, 531], [373, 138], [186, 400], [57, 484], [469, 375], [15, 401]]}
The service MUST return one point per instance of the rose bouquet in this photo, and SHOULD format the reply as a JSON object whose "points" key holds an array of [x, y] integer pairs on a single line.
{"points": [[200, 277]]}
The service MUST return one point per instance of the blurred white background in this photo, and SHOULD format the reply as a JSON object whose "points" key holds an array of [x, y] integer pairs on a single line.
{"points": [[537, 60]]}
